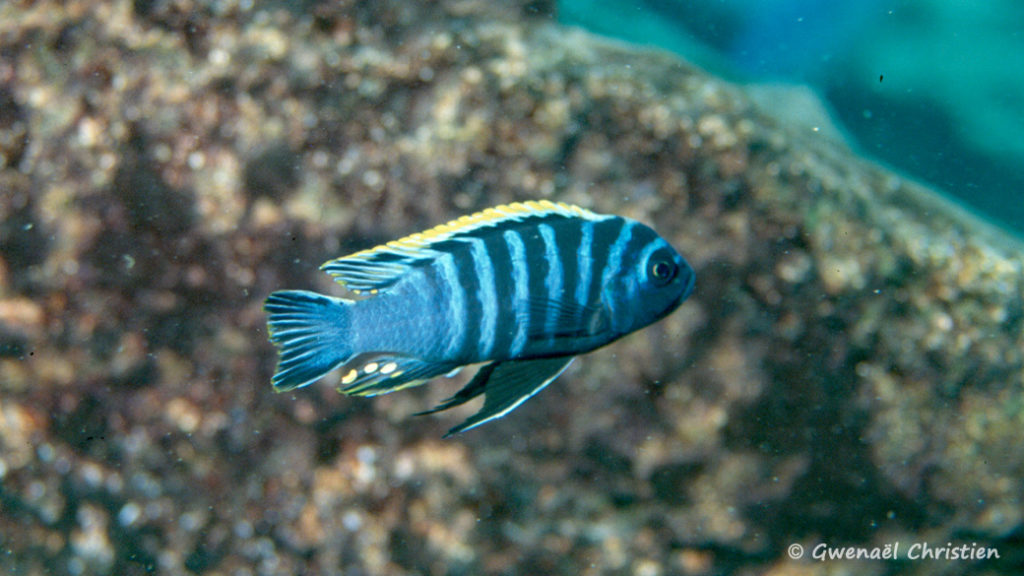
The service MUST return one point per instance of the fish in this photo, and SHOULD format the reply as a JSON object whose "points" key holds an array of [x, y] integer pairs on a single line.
{"points": [[521, 289]]}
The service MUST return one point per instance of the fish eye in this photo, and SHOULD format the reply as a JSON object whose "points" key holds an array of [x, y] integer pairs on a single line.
{"points": [[662, 270]]}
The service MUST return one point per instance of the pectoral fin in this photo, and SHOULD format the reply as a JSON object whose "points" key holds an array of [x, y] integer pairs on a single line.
{"points": [[468, 392], [568, 319], [505, 386]]}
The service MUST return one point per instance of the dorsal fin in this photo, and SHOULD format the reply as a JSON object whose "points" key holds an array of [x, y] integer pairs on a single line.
{"points": [[379, 267]]}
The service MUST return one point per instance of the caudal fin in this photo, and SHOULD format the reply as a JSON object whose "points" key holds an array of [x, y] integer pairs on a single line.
{"points": [[310, 331]]}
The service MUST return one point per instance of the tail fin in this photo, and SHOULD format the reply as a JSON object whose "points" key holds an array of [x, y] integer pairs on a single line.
{"points": [[310, 331]]}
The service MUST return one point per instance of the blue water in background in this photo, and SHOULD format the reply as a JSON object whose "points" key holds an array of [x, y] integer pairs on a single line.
{"points": [[932, 88]]}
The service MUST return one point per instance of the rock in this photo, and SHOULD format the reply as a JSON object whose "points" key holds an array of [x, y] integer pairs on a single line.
{"points": [[848, 371]]}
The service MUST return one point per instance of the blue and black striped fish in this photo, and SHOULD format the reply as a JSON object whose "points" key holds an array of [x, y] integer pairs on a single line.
{"points": [[522, 288]]}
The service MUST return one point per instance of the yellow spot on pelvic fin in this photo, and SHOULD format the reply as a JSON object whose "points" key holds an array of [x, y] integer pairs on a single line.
{"points": [[370, 368], [350, 377], [388, 368]]}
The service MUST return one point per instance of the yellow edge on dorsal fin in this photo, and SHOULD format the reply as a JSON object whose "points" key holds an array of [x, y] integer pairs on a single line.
{"points": [[366, 272], [488, 217]]}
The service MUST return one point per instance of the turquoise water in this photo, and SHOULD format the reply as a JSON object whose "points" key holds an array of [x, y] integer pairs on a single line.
{"points": [[932, 88]]}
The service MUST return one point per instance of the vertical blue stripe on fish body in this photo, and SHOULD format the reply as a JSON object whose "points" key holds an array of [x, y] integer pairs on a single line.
{"points": [[583, 263], [498, 254], [455, 296], [613, 265], [605, 232], [465, 263], [553, 281], [487, 294], [521, 283]]}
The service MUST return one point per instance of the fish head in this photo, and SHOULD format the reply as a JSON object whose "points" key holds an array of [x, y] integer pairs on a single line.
{"points": [[654, 281]]}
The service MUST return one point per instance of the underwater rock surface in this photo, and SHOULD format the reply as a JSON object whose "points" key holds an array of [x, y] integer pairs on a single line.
{"points": [[848, 370]]}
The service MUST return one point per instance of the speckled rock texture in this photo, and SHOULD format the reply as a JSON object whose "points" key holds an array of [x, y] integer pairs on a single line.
{"points": [[848, 371]]}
